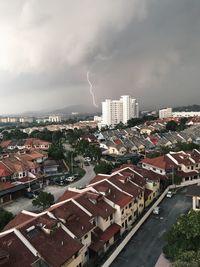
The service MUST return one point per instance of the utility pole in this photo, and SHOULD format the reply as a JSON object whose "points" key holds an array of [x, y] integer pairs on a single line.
{"points": [[72, 162], [172, 175]]}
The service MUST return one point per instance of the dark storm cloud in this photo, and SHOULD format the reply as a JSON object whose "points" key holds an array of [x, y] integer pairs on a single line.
{"points": [[149, 49]]}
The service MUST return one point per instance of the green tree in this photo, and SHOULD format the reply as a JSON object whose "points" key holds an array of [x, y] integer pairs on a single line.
{"points": [[43, 200], [188, 259], [5, 217], [172, 126], [56, 151], [183, 237], [103, 167]]}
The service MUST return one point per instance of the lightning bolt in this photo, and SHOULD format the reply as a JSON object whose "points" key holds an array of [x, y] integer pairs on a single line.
{"points": [[91, 90]]}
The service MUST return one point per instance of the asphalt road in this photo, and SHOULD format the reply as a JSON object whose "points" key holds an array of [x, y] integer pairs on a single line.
{"points": [[26, 204], [145, 247]]}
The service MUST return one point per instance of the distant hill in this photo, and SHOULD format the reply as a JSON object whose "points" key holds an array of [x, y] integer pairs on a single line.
{"points": [[187, 108], [75, 108], [81, 109]]}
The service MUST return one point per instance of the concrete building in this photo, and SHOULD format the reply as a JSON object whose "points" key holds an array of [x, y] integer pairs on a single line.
{"points": [[184, 114], [194, 192], [165, 113], [26, 119], [116, 111], [55, 118]]}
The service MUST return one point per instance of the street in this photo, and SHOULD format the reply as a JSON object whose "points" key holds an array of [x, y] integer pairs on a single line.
{"points": [[26, 204], [146, 245]]}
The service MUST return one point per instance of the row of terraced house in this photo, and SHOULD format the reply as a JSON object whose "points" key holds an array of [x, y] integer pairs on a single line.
{"points": [[85, 223], [21, 169]]}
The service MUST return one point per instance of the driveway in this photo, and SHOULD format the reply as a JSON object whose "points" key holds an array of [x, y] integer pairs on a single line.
{"points": [[146, 245], [57, 191], [26, 204]]}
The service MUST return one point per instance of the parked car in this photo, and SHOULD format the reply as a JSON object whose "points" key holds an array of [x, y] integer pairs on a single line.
{"points": [[87, 159], [70, 178], [170, 194], [156, 210]]}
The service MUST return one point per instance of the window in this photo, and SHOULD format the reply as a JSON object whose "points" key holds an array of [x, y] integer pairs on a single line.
{"points": [[86, 253], [122, 211], [130, 205], [160, 171], [111, 217], [129, 218], [86, 236], [122, 224]]}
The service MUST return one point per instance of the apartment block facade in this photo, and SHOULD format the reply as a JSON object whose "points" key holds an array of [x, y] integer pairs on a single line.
{"points": [[116, 111]]}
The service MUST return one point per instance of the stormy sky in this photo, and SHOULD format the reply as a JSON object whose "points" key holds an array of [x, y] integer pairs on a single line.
{"points": [[149, 49]]}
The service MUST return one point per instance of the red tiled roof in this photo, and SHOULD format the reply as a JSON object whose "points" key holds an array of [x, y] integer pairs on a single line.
{"points": [[149, 174], [19, 254], [114, 194], [117, 141], [183, 158], [126, 185], [18, 220], [4, 171], [66, 195], [56, 247], [76, 220], [98, 177], [123, 166], [186, 174], [95, 204], [137, 179], [110, 232], [162, 162], [99, 238], [5, 144]]}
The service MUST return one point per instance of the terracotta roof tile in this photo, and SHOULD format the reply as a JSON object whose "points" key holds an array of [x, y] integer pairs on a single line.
{"points": [[11, 244]]}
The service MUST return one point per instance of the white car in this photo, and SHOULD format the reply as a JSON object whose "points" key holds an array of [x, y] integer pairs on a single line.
{"points": [[87, 159], [169, 194], [156, 210], [70, 179]]}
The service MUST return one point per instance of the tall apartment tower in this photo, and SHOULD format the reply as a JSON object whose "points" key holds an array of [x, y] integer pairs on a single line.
{"points": [[116, 111]]}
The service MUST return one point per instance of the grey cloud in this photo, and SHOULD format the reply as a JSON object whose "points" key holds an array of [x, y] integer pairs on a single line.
{"points": [[149, 49]]}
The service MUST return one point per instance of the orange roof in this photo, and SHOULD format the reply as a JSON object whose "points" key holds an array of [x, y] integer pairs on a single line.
{"points": [[67, 195], [18, 220], [162, 162], [5, 144], [4, 171]]}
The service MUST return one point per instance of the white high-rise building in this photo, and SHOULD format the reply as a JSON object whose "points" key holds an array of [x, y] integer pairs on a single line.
{"points": [[116, 111], [165, 113]]}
